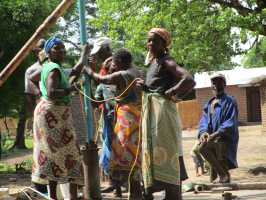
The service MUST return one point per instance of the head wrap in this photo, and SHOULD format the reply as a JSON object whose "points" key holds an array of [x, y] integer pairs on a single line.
{"points": [[163, 33], [50, 43]]}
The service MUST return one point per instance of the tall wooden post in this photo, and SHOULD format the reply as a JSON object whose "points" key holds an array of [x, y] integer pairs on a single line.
{"points": [[25, 50], [89, 150]]}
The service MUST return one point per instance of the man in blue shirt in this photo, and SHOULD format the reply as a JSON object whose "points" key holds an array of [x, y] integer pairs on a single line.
{"points": [[218, 131]]}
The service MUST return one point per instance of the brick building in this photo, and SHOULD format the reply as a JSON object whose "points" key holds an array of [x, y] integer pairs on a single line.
{"points": [[263, 104], [245, 85]]}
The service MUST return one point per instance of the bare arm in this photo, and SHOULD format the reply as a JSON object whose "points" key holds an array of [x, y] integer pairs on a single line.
{"points": [[76, 70], [185, 83], [114, 78], [52, 84], [35, 76]]}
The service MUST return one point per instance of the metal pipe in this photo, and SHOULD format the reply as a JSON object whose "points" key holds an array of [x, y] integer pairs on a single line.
{"points": [[83, 40], [89, 151]]}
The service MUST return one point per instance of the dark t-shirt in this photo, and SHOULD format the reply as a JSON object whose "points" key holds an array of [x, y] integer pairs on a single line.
{"points": [[159, 78]]}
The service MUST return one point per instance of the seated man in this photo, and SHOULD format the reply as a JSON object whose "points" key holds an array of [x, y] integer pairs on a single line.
{"points": [[218, 131]]}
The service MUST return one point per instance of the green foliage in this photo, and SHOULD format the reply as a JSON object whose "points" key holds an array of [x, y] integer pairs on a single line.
{"points": [[256, 57], [18, 21], [5, 168], [9, 152], [69, 31], [8, 142], [29, 143], [202, 32], [11, 169]]}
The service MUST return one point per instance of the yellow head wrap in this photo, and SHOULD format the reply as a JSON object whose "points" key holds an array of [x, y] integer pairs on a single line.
{"points": [[163, 33]]}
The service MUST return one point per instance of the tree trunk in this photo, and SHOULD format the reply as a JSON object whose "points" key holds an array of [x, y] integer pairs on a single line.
{"points": [[0, 145], [20, 136]]}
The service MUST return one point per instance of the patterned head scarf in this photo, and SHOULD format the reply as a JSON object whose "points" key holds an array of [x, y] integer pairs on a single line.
{"points": [[50, 43], [163, 33]]}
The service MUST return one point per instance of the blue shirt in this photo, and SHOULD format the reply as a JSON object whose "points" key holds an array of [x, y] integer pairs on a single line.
{"points": [[222, 118]]}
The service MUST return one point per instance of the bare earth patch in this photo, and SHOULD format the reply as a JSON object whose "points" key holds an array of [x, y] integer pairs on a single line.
{"points": [[251, 155]]}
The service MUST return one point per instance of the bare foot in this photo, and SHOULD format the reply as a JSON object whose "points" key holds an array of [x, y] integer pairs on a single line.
{"points": [[225, 178], [213, 176]]}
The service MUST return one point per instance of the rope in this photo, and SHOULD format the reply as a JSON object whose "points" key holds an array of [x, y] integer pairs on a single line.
{"points": [[139, 133], [105, 100], [137, 155], [112, 98]]}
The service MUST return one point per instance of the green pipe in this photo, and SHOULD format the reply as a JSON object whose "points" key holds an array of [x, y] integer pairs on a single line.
{"points": [[83, 40], [90, 150]]}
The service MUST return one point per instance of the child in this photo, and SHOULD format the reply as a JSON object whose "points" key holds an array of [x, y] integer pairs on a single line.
{"points": [[104, 92], [197, 159]]}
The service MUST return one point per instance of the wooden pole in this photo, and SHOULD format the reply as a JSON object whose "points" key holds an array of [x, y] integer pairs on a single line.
{"points": [[25, 50]]}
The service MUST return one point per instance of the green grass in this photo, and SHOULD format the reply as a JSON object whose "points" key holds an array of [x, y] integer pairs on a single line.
{"points": [[8, 152], [4, 168], [9, 143], [10, 169], [29, 143]]}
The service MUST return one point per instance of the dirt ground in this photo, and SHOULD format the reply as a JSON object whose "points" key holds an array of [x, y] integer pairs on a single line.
{"points": [[251, 154]]}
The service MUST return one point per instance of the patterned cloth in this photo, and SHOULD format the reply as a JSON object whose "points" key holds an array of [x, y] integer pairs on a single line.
{"points": [[50, 43], [161, 141], [55, 155], [125, 138], [163, 33]]}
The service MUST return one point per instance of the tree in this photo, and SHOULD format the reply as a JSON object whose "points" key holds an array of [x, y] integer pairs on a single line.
{"points": [[256, 57], [250, 14], [18, 21], [205, 33], [69, 28], [250, 17]]}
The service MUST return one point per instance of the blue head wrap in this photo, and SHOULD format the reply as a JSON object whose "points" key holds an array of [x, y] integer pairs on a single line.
{"points": [[50, 43]]}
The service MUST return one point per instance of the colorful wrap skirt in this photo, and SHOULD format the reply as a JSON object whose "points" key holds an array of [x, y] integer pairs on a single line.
{"points": [[125, 140], [56, 155]]}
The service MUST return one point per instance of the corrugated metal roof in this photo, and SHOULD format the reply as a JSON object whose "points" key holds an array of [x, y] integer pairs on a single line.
{"points": [[237, 76]]}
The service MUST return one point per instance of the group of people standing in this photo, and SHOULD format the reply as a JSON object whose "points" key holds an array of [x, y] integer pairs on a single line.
{"points": [[142, 141]]}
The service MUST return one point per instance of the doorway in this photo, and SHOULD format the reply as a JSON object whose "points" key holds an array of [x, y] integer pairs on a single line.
{"points": [[253, 104]]}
